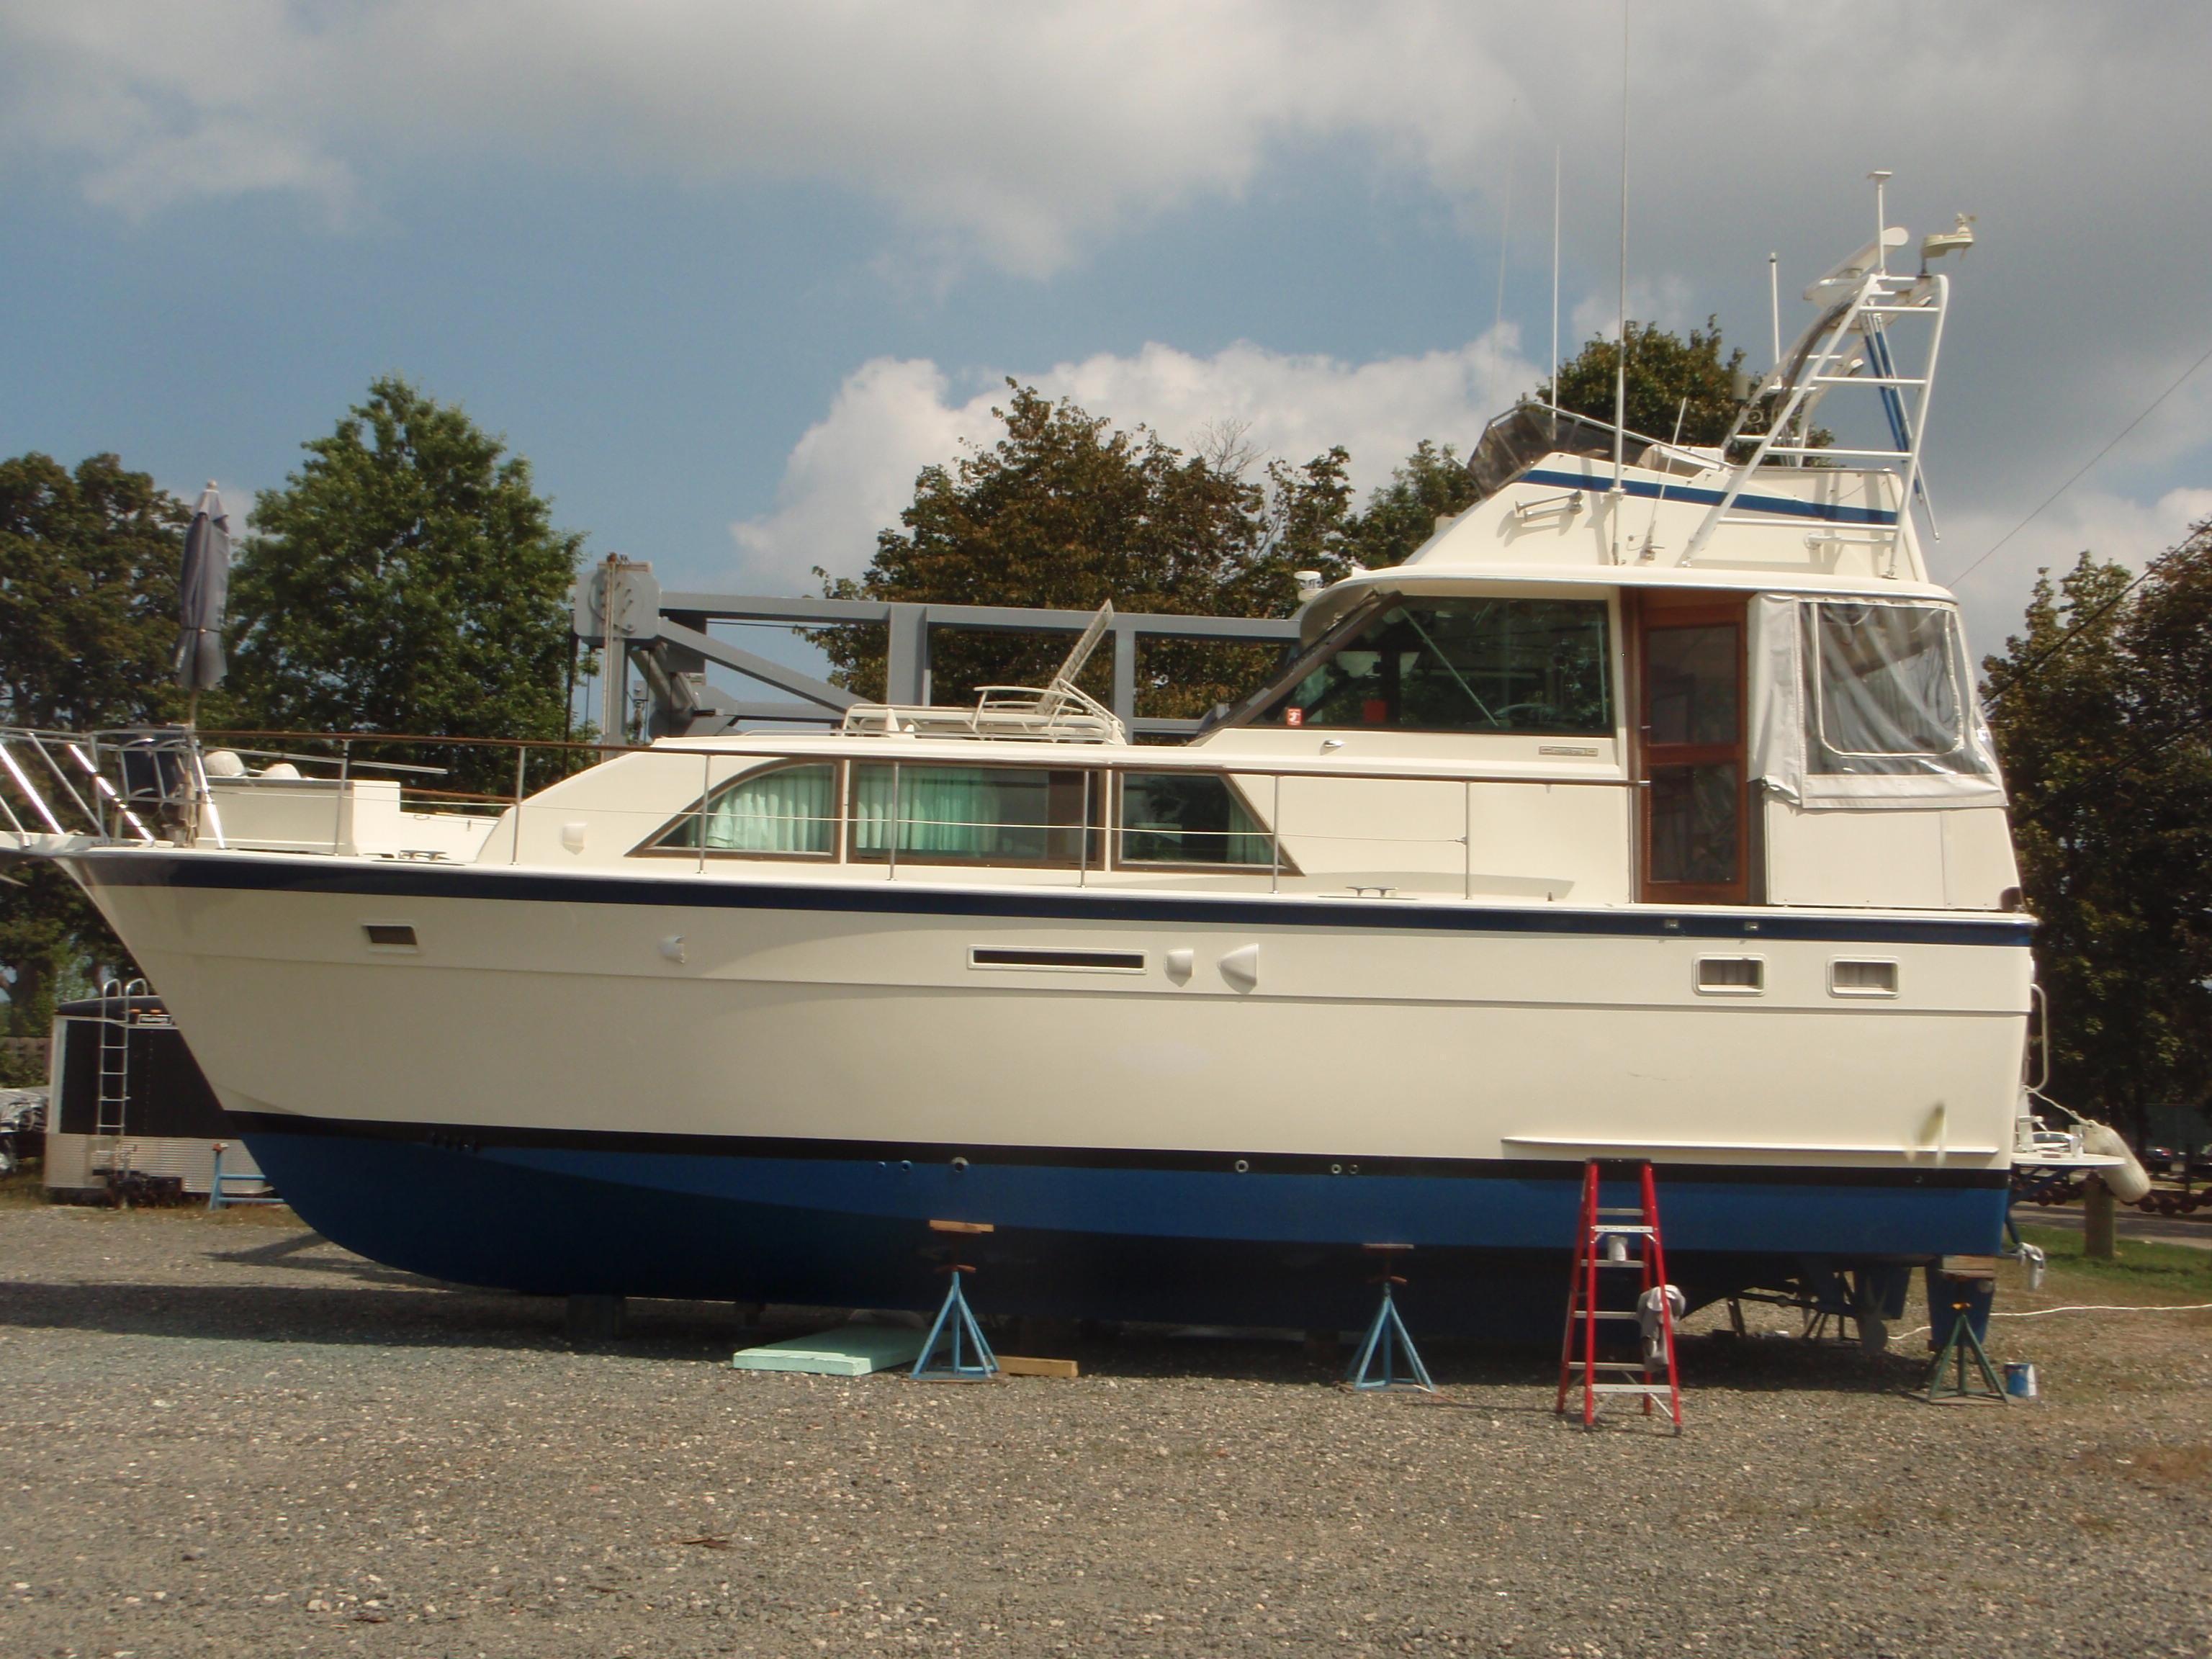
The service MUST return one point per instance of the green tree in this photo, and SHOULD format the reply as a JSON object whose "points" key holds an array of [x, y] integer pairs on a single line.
{"points": [[1430, 483], [407, 579], [87, 621], [1669, 375], [88, 565], [1064, 510], [2099, 710]]}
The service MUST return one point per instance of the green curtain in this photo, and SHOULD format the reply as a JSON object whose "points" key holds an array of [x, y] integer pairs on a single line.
{"points": [[954, 811], [790, 810]]}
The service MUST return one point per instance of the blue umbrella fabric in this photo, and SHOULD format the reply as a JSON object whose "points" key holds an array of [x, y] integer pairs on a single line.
{"points": [[204, 592]]}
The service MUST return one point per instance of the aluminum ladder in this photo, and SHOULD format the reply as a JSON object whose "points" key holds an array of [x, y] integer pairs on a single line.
{"points": [[117, 1016], [1617, 1248]]}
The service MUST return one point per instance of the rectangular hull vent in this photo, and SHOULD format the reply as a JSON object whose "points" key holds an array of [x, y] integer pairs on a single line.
{"points": [[1862, 979], [389, 935], [1092, 962], [1739, 976]]}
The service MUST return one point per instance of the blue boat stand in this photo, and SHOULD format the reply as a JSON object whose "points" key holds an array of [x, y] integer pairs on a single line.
{"points": [[1388, 1342], [968, 1357], [220, 1195]]}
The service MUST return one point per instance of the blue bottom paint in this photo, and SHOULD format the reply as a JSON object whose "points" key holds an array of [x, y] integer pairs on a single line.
{"points": [[1186, 1246]]}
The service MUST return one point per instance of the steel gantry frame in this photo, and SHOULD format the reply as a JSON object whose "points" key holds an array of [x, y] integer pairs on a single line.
{"points": [[666, 637]]}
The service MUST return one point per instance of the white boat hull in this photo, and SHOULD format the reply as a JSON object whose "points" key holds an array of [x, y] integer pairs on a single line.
{"points": [[765, 1089]]}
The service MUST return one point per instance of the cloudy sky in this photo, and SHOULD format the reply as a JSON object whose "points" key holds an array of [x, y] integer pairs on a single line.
{"points": [[730, 274]]}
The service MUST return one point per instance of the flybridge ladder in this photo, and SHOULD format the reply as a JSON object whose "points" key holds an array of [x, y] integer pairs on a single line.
{"points": [[1610, 1243], [1850, 345]]}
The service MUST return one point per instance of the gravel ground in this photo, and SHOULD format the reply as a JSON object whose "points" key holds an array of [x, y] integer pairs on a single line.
{"points": [[223, 1435]]}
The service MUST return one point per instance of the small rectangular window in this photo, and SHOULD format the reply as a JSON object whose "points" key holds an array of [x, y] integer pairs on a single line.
{"points": [[1743, 976], [1112, 962], [1186, 817], [1848, 978], [389, 935], [1017, 815]]}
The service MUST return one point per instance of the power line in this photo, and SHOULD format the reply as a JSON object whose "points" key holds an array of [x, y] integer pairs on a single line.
{"points": [[2028, 669], [2086, 466]]}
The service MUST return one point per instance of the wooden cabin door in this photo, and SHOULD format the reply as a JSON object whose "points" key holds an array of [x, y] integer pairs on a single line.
{"points": [[1690, 672]]}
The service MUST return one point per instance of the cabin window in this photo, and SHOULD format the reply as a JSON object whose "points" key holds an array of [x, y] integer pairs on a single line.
{"points": [[1462, 664], [974, 814], [786, 809], [1886, 690], [1186, 817]]}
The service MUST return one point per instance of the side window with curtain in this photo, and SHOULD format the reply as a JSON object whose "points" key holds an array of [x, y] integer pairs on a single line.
{"points": [[787, 810], [1186, 817], [1884, 691], [1018, 815]]}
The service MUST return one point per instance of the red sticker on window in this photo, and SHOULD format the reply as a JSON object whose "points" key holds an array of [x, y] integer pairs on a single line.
{"points": [[1294, 717]]}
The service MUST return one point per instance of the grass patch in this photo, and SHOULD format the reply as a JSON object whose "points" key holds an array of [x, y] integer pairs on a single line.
{"points": [[2160, 1273], [24, 1187]]}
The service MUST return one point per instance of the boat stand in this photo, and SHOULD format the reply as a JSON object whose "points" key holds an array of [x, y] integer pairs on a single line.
{"points": [[968, 1357], [228, 1188], [1388, 1342], [1985, 1388]]}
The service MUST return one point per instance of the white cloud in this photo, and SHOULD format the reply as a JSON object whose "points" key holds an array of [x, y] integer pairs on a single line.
{"points": [[2113, 527], [1022, 135], [1666, 300], [1017, 129], [852, 471]]}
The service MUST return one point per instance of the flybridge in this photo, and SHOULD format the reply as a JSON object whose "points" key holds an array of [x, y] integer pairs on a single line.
{"points": [[1787, 502], [1849, 345]]}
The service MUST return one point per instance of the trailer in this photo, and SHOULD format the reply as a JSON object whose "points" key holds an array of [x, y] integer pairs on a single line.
{"points": [[133, 1119]]}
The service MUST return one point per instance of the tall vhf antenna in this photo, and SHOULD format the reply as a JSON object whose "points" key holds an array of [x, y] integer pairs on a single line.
{"points": [[1553, 393], [1505, 218], [1620, 352]]}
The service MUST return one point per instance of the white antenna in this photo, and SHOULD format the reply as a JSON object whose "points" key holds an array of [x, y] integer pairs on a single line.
{"points": [[1881, 177], [1505, 218], [1621, 345], [1553, 394]]}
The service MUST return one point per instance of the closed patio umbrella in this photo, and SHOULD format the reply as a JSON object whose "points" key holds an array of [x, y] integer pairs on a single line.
{"points": [[205, 589]]}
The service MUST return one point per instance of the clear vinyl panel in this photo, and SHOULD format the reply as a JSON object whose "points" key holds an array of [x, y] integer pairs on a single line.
{"points": [[1886, 692]]}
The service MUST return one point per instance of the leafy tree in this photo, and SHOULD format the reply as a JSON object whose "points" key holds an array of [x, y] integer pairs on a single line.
{"points": [[1064, 510], [1668, 376], [87, 620], [406, 579], [1663, 369], [88, 565], [1432, 482], [2099, 712]]}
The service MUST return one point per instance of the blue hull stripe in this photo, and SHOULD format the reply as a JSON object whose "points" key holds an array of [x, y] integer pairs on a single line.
{"points": [[1788, 507], [130, 867]]}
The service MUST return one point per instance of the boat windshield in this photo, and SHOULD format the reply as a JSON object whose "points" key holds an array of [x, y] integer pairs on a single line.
{"points": [[1455, 665]]}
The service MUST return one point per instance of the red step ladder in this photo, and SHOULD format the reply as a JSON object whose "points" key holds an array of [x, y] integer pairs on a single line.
{"points": [[1611, 1244]]}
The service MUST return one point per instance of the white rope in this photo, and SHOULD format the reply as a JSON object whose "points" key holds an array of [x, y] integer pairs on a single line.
{"points": [[2108, 1307], [2087, 1307]]}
